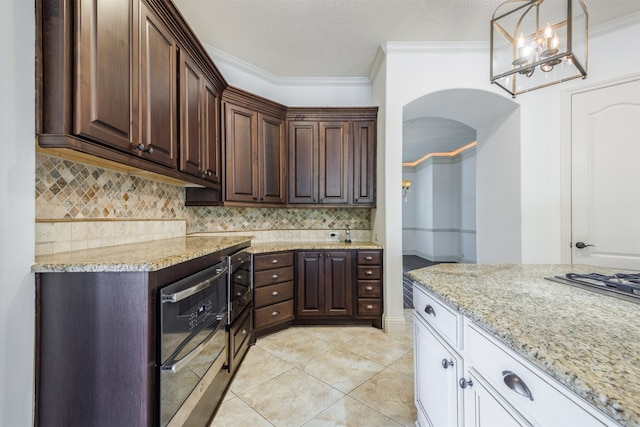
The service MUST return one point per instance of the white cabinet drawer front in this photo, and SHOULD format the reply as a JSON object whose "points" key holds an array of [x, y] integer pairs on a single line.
{"points": [[442, 318], [542, 400]]}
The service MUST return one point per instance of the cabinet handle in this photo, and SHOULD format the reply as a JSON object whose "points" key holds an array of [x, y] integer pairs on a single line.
{"points": [[515, 383], [369, 258], [368, 288], [275, 276], [275, 313], [274, 261], [369, 307], [429, 310], [446, 363], [140, 147], [244, 331], [369, 273], [275, 293], [465, 383]]}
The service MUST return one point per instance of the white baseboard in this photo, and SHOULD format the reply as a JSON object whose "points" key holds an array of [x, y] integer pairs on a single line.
{"points": [[394, 325]]}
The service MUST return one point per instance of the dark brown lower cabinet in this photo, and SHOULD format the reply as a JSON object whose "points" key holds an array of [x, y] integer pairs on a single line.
{"points": [[273, 291], [324, 284]]}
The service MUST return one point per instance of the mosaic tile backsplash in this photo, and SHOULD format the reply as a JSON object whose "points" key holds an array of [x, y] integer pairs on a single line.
{"points": [[69, 191]]}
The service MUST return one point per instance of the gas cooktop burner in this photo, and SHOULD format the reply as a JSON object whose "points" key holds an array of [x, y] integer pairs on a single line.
{"points": [[620, 285]]}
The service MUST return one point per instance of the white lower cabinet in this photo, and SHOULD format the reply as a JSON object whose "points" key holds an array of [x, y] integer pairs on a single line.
{"points": [[437, 369], [466, 378]]}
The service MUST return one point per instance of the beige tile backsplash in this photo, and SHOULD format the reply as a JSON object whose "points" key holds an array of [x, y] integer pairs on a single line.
{"points": [[83, 206]]}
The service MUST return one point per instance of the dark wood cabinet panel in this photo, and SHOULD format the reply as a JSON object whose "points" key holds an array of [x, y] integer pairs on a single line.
{"points": [[370, 291], [107, 72], [364, 163], [190, 115], [273, 291], [241, 154], [303, 162], [272, 159], [310, 279], [211, 133], [324, 284], [338, 272], [334, 167], [158, 104]]}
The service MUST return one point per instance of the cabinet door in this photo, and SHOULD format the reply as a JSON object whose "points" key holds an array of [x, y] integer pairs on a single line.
{"points": [[158, 90], [211, 133], [334, 165], [437, 395], [303, 162], [309, 284], [241, 143], [485, 408], [191, 81], [272, 158], [107, 73], [337, 283], [364, 163]]}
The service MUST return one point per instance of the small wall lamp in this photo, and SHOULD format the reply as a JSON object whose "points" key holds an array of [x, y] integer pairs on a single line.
{"points": [[406, 184]]}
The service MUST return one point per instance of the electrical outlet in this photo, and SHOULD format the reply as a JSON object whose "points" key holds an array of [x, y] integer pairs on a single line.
{"points": [[45, 233]]}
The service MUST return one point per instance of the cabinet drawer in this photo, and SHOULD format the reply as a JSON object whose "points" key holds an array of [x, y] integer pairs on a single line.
{"points": [[369, 288], [369, 272], [272, 294], [241, 331], [369, 258], [369, 307], [442, 318], [539, 398], [270, 277], [273, 314], [273, 260]]}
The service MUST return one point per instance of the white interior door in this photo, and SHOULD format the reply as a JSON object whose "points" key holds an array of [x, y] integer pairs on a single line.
{"points": [[605, 176]]}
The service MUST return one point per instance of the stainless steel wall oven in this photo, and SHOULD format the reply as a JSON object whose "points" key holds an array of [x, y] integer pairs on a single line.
{"points": [[192, 339]]}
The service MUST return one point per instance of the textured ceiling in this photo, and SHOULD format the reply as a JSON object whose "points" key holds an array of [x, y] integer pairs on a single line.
{"points": [[340, 38]]}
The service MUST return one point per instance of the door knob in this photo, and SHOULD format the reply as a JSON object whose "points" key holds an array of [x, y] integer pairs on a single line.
{"points": [[582, 245]]}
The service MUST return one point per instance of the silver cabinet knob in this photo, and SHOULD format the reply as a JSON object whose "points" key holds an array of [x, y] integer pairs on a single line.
{"points": [[369, 273], [275, 276], [446, 363], [464, 383], [368, 288], [274, 261], [369, 307], [275, 313], [274, 293], [369, 258]]}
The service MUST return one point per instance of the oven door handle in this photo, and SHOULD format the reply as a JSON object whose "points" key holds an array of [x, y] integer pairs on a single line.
{"points": [[180, 295], [174, 367]]}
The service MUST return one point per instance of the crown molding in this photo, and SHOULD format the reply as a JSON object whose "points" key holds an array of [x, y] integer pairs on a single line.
{"points": [[222, 57], [615, 24], [443, 46]]}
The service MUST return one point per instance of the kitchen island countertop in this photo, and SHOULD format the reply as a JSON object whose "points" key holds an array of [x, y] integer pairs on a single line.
{"points": [[258, 248], [587, 341]]}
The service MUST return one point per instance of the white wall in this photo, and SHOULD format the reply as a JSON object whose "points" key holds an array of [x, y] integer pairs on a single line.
{"points": [[17, 211]]}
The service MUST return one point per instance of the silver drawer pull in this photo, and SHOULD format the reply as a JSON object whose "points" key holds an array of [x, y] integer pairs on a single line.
{"points": [[368, 273], [275, 313], [369, 307], [275, 276], [274, 261], [446, 363], [369, 258], [515, 383], [429, 310], [368, 288], [274, 293]]}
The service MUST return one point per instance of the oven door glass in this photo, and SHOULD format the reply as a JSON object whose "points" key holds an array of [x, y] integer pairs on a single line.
{"points": [[193, 313]]}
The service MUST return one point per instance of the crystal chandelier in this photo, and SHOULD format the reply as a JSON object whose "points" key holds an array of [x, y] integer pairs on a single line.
{"points": [[535, 44]]}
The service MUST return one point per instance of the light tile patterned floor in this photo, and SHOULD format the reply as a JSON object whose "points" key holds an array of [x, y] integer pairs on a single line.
{"points": [[324, 376]]}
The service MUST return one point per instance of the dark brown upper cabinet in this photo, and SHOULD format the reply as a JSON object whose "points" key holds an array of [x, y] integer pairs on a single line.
{"points": [[332, 156], [109, 82], [255, 150], [199, 123]]}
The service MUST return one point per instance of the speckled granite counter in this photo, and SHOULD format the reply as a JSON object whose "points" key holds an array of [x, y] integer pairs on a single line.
{"points": [[587, 341], [311, 246], [145, 256]]}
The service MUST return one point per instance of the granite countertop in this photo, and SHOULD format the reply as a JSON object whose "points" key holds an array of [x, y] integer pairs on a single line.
{"points": [[158, 254], [587, 341], [145, 256]]}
